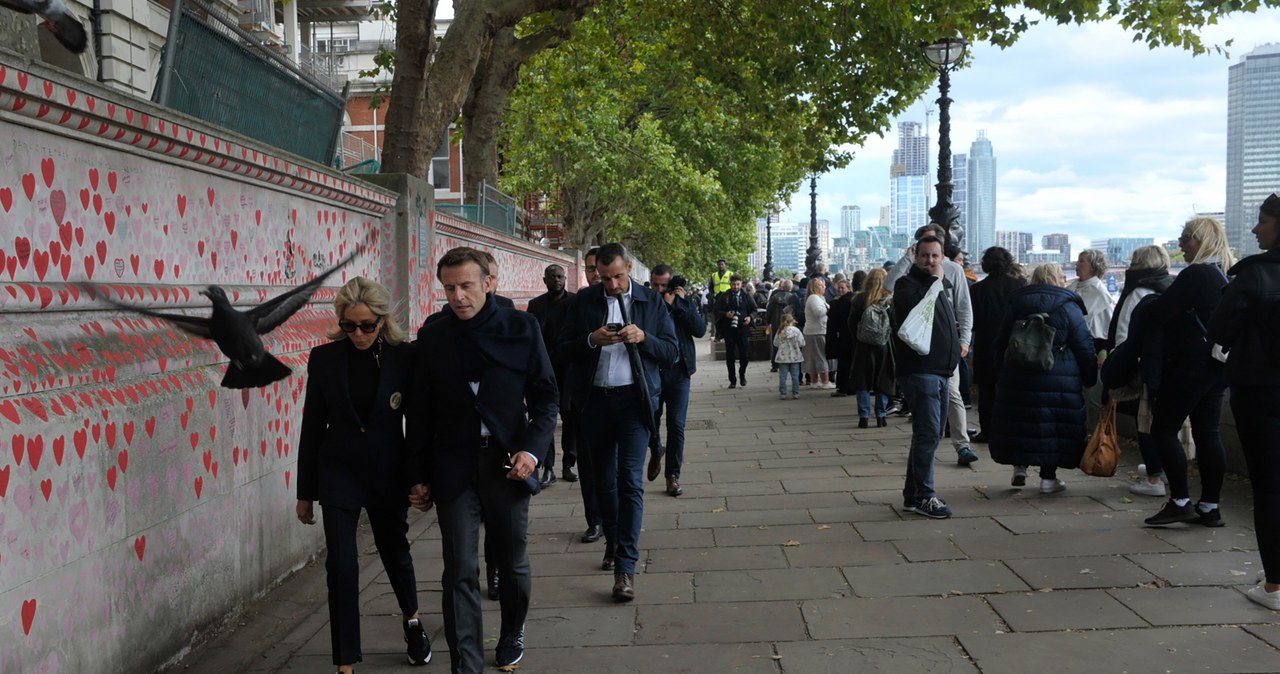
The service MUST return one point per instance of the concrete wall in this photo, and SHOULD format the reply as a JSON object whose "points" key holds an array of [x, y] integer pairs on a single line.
{"points": [[140, 502]]}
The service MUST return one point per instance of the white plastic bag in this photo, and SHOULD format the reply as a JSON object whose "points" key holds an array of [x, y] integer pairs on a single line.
{"points": [[917, 329]]}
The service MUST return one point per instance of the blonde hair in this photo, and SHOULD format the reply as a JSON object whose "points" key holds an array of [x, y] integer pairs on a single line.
{"points": [[1018, 270], [873, 286], [374, 295], [1149, 257], [787, 321], [1213, 240], [1049, 273]]}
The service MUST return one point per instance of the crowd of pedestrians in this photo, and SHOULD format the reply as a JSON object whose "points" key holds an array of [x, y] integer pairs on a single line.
{"points": [[463, 419]]}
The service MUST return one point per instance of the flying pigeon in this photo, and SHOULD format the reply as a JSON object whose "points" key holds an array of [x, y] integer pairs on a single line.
{"points": [[237, 332], [57, 18]]}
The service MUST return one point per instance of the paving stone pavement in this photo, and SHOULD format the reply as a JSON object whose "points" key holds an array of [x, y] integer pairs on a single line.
{"points": [[789, 552]]}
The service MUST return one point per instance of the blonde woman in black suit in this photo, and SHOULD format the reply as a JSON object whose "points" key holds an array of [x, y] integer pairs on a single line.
{"points": [[351, 456]]}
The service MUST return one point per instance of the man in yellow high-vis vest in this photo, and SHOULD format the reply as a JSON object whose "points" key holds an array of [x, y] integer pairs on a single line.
{"points": [[718, 283]]}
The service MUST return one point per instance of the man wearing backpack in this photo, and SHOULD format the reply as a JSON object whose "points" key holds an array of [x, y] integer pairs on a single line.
{"points": [[923, 378]]}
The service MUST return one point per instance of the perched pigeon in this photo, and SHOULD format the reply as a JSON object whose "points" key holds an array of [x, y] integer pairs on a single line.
{"points": [[57, 18], [237, 332]]}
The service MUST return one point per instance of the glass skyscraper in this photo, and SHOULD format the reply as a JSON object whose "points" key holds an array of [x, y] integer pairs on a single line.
{"points": [[1253, 141], [981, 206], [909, 180]]}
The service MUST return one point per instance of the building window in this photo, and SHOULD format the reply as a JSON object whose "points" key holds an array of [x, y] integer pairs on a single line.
{"points": [[440, 165]]}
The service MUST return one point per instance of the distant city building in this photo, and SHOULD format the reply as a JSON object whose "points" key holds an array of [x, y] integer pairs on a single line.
{"points": [[1037, 257], [1017, 243], [872, 246], [981, 196], [840, 258], [790, 243], [960, 192], [850, 220], [885, 217], [909, 185], [1060, 243], [1253, 141], [1119, 250]]}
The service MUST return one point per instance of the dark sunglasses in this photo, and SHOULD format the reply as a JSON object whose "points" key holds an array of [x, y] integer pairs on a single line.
{"points": [[367, 328]]}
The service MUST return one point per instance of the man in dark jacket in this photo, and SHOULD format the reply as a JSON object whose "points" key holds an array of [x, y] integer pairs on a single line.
{"points": [[735, 309], [549, 309], [675, 379], [483, 409], [618, 335], [990, 299], [923, 379], [840, 338]]}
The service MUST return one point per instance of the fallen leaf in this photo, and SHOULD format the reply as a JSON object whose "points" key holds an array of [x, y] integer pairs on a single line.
{"points": [[823, 526], [792, 544], [1086, 570], [717, 510]]}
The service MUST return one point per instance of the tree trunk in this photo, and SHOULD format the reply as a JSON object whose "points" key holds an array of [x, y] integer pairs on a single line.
{"points": [[495, 79], [427, 93]]}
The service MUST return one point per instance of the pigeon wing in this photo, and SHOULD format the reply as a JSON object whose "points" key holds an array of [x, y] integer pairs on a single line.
{"points": [[192, 325], [271, 314], [20, 6]]}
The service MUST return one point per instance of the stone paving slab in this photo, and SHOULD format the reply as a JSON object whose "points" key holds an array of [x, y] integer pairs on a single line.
{"points": [[717, 559], [1192, 606], [1053, 523], [771, 585], [720, 623], [744, 518], [1069, 573], [928, 549], [1202, 568], [1059, 610], [1065, 544], [788, 501], [1150, 651], [847, 553], [933, 578], [780, 535], [922, 527], [898, 617], [662, 659], [594, 590], [1200, 539], [922, 655], [855, 513]]}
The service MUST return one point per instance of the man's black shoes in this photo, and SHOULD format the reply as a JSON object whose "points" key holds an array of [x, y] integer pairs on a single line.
{"points": [[493, 583], [569, 474], [624, 586], [419, 645], [606, 564], [592, 534], [548, 477]]}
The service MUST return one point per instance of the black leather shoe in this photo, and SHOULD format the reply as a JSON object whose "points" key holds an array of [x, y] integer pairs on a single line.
{"points": [[592, 534], [655, 466], [733, 384], [881, 422], [743, 378], [1173, 513], [673, 487], [606, 564], [569, 474], [1213, 518], [862, 422], [980, 437], [493, 584], [624, 588], [548, 477]]}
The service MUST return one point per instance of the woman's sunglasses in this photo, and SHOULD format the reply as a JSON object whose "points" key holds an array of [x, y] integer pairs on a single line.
{"points": [[367, 328]]}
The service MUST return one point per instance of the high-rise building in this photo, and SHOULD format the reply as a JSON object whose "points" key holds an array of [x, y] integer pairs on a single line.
{"points": [[1060, 243], [850, 220], [1120, 249], [909, 180], [960, 192], [790, 244], [1253, 141], [1017, 243], [981, 200]]}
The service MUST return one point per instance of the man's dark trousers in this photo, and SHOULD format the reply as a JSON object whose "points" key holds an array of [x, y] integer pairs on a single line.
{"points": [[504, 507], [737, 343], [618, 437], [675, 399]]}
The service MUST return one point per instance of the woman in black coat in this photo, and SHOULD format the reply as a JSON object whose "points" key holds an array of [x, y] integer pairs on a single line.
{"points": [[1247, 319], [1039, 417], [351, 455], [1191, 379], [990, 299]]}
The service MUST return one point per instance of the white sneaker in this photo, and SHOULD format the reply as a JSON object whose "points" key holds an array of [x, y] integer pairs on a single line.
{"points": [[828, 386], [1146, 488], [1258, 594], [1142, 473], [1052, 486]]}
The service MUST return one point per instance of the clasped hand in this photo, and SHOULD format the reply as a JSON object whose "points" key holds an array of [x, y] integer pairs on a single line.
{"points": [[629, 334]]}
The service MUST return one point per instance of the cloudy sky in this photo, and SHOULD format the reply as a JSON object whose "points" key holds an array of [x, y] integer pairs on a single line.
{"points": [[1093, 135]]}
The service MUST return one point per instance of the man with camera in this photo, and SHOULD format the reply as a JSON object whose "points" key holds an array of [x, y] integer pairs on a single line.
{"points": [[675, 379], [734, 309]]}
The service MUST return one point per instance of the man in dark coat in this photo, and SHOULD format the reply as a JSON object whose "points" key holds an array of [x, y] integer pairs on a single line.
{"points": [[689, 324], [735, 310], [923, 379], [839, 338], [483, 408], [549, 309], [611, 331]]}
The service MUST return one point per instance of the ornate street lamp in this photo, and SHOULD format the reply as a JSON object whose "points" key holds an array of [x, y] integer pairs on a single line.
{"points": [[767, 275], [944, 55], [814, 254]]}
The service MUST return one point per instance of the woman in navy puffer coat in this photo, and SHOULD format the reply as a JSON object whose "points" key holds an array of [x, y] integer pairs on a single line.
{"points": [[1039, 417]]}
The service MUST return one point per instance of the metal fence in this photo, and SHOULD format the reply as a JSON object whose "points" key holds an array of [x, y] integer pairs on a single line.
{"points": [[356, 156], [493, 209], [225, 76]]}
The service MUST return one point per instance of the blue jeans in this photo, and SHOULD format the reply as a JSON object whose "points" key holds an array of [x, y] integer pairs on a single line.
{"points": [[675, 399], [619, 440], [928, 396], [788, 371], [864, 404]]}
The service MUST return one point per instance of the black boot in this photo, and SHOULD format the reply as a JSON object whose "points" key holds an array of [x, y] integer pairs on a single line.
{"points": [[493, 583]]}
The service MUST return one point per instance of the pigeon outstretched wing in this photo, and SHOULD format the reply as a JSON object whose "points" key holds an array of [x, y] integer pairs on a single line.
{"points": [[271, 314], [58, 19], [192, 325]]}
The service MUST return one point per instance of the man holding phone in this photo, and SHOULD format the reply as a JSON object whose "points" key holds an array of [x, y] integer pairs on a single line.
{"points": [[734, 311]]}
